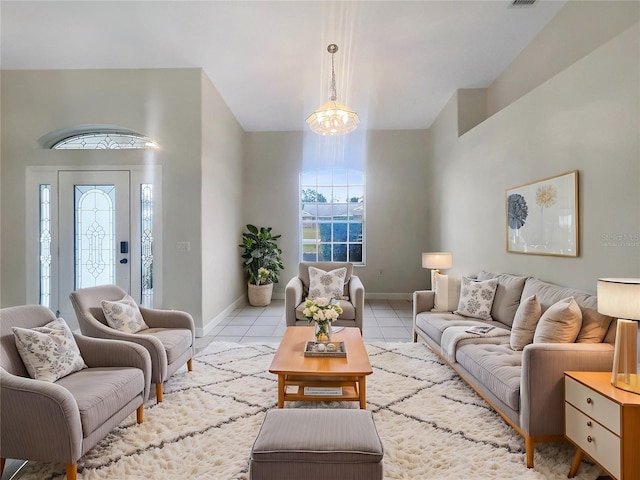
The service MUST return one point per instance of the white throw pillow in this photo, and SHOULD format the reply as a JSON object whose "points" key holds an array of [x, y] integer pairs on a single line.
{"points": [[476, 298], [560, 323], [326, 284], [124, 315], [49, 352], [525, 322], [447, 293]]}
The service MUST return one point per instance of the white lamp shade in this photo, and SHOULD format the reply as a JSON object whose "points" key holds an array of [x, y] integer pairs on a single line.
{"points": [[619, 297], [437, 260]]}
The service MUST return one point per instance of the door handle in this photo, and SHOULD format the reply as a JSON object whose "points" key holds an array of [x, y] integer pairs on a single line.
{"points": [[123, 261]]}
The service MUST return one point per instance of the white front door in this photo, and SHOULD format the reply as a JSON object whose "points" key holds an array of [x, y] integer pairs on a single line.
{"points": [[94, 233]]}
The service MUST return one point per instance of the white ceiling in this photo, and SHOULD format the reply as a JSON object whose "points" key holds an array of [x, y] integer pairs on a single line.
{"points": [[398, 63]]}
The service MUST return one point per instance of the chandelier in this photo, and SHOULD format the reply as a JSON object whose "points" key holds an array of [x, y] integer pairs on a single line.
{"points": [[333, 118]]}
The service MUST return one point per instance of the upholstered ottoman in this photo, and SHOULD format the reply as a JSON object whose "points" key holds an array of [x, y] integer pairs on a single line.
{"points": [[317, 444]]}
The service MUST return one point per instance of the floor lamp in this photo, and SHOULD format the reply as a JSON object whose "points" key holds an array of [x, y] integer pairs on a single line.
{"points": [[620, 298]]}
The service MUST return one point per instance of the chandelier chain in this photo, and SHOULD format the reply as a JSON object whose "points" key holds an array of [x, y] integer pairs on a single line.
{"points": [[334, 95]]}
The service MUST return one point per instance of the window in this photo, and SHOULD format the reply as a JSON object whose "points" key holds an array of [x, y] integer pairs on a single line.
{"points": [[104, 141], [332, 216]]}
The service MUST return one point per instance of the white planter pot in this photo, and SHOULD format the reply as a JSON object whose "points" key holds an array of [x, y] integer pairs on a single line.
{"points": [[260, 295]]}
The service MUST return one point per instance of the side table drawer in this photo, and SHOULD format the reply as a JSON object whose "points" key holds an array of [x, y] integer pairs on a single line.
{"points": [[595, 405], [595, 440]]}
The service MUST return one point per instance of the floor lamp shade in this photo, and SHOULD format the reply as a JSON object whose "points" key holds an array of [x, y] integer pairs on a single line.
{"points": [[620, 298]]}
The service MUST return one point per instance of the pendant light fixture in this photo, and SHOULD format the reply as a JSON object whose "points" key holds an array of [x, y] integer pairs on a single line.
{"points": [[333, 118]]}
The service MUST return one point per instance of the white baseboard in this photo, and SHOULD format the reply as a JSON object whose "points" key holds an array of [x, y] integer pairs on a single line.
{"points": [[388, 296], [239, 303]]}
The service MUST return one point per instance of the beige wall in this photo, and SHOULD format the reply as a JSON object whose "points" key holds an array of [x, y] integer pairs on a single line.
{"points": [[580, 27], [396, 199], [164, 104], [587, 118], [222, 200]]}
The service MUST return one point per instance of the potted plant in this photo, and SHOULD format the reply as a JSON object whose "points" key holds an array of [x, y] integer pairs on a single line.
{"points": [[262, 262]]}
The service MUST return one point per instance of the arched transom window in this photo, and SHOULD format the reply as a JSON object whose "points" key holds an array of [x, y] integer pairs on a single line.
{"points": [[104, 141]]}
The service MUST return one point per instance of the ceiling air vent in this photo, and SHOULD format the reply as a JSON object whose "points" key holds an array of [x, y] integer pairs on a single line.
{"points": [[521, 3]]}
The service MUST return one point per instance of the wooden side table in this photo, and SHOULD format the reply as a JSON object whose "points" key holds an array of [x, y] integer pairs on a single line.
{"points": [[603, 422]]}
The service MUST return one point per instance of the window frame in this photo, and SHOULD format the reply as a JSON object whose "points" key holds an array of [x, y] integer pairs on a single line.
{"points": [[343, 185]]}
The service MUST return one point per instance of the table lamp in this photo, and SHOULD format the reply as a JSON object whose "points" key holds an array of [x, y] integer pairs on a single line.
{"points": [[435, 261], [620, 298]]}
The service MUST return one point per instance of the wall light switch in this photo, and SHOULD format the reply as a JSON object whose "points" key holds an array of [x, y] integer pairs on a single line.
{"points": [[183, 246]]}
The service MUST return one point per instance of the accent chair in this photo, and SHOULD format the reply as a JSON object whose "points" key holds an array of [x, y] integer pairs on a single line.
{"points": [[352, 300], [170, 338], [59, 421]]}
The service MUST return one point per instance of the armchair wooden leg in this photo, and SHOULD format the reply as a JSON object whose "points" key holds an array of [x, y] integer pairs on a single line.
{"points": [[158, 393], [528, 448], [140, 414], [415, 337], [2, 462], [190, 364], [72, 471]]}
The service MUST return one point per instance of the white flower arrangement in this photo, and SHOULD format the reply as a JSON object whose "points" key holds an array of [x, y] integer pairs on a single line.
{"points": [[321, 311]]}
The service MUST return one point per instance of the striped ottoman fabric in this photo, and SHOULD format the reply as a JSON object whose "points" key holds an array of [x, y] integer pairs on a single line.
{"points": [[317, 444]]}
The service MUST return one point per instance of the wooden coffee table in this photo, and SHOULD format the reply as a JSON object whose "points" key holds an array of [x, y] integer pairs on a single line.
{"points": [[295, 371]]}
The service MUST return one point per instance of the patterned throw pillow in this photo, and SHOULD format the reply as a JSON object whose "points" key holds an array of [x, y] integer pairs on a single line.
{"points": [[124, 315], [49, 352], [326, 284], [476, 298]]}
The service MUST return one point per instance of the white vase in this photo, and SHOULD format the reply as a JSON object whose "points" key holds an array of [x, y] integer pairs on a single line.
{"points": [[260, 295]]}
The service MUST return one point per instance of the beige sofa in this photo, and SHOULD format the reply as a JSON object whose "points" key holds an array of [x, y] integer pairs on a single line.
{"points": [[525, 387]]}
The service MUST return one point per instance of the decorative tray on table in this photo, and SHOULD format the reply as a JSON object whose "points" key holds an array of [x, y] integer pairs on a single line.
{"points": [[325, 349]]}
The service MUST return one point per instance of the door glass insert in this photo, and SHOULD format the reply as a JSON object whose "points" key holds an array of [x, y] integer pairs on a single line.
{"points": [[146, 244], [45, 245], [95, 235]]}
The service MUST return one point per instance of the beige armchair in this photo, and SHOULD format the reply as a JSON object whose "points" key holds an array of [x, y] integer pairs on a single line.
{"points": [[297, 290], [60, 421], [170, 338]]}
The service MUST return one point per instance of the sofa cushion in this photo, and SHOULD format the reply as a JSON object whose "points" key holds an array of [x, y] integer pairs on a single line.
{"points": [[525, 322], [49, 352], [102, 392], [594, 325], [497, 367], [447, 293], [434, 324], [508, 295], [124, 315], [324, 284], [476, 298], [560, 323]]}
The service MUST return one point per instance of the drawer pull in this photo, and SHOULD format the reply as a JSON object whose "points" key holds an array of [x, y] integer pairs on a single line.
{"points": [[588, 424], [589, 401], [589, 439]]}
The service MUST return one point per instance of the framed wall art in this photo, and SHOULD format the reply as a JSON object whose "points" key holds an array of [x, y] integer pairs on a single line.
{"points": [[542, 216]]}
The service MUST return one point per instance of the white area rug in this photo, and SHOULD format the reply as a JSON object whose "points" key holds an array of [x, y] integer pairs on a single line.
{"points": [[432, 425]]}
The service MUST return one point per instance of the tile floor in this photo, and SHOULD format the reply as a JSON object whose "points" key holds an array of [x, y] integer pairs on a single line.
{"points": [[384, 321]]}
